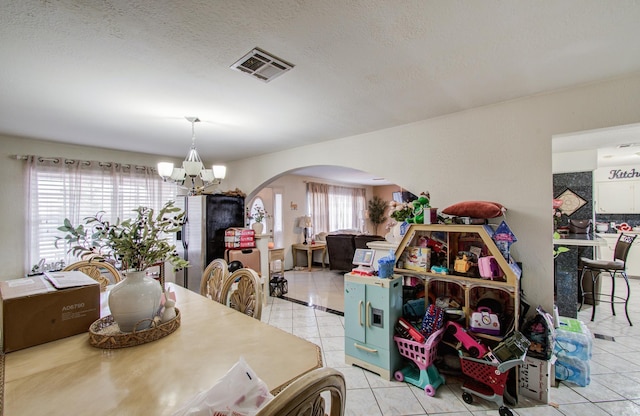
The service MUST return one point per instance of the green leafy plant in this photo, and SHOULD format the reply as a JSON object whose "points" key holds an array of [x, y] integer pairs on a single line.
{"points": [[136, 243], [560, 249], [376, 207]]}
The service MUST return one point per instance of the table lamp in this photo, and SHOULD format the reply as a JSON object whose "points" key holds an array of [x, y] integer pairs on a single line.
{"points": [[305, 222]]}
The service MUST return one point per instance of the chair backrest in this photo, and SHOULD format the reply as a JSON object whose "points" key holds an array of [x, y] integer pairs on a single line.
{"points": [[622, 247], [94, 269], [303, 396], [213, 279], [247, 298]]}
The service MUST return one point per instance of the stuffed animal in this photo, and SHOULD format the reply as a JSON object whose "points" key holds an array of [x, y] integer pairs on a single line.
{"points": [[419, 206]]}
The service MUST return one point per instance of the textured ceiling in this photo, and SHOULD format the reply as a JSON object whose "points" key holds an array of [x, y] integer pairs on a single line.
{"points": [[124, 74]]}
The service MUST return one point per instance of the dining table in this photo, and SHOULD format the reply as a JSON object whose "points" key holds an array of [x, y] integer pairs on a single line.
{"points": [[69, 376]]}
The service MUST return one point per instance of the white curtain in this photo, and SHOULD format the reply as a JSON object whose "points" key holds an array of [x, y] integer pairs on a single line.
{"points": [[335, 207], [318, 204], [59, 188]]}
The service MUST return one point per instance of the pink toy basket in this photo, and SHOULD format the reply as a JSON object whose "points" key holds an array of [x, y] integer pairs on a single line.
{"points": [[426, 376], [422, 354]]}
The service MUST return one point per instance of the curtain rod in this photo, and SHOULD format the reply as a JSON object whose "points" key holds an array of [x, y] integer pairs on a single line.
{"points": [[85, 162], [338, 184]]}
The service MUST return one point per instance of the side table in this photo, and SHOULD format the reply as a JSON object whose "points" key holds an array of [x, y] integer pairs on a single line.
{"points": [[309, 248]]}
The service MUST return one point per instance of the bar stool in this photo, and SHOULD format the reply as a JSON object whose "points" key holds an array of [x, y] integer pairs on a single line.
{"points": [[614, 267]]}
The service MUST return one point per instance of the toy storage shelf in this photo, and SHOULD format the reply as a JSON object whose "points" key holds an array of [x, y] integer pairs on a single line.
{"points": [[446, 241]]}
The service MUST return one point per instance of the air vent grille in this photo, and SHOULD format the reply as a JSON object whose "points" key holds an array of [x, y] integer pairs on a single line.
{"points": [[261, 65]]}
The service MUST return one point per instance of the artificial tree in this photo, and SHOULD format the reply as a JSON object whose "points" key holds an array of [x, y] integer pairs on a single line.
{"points": [[376, 207]]}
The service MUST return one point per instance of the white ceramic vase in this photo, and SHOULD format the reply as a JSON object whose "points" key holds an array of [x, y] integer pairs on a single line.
{"points": [[394, 236], [134, 299], [258, 227]]}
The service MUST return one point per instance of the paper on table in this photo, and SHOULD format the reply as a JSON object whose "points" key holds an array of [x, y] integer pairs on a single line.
{"points": [[17, 288], [73, 278]]}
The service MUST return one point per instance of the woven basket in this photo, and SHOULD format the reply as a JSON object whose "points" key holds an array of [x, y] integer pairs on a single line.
{"points": [[104, 333]]}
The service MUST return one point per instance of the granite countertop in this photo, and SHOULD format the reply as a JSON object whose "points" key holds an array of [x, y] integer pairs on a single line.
{"points": [[579, 240]]}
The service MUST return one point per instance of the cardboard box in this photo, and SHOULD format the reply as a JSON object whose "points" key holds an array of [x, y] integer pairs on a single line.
{"points": [[418, 258], [534, 379], [239, 238], [34, 311], [239, 232]]}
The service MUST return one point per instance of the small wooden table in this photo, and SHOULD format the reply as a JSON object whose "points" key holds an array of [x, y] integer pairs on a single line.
{"points": [[309, 248], [70, 377]]}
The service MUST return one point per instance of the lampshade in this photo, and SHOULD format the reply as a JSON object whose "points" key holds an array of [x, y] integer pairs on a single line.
{"points": [[219, 171], [305, 222], [206, 175], [165, 169], [178, 174], [192, 168]]}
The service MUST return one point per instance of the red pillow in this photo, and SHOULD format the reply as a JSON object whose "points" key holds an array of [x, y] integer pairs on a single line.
{"points": [[475, 209]]}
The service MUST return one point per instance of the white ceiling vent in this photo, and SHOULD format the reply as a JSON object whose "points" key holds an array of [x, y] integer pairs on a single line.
{"points": [[261, 65]]}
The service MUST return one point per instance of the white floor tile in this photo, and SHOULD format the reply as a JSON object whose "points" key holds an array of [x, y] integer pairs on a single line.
{"points": [[361, 402], [582, 409], [354, 378], [597, 392], [626, 408], [615, 366], [620, 384], [563, 394], [444, 401], [334, 344], [397, 401]]}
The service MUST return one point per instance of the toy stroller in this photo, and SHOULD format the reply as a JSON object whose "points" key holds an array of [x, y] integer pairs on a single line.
{"points": [[422, 373]]}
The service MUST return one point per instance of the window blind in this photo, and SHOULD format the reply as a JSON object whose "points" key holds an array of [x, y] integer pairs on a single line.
{"points": [[60, 189]]}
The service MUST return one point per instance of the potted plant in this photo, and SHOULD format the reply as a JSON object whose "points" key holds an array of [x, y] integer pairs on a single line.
{"points": [[376, 208], [136, 244], [259, 215]]}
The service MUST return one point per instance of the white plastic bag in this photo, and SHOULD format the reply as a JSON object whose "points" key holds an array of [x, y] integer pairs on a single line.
{"points": [[238, 393]]}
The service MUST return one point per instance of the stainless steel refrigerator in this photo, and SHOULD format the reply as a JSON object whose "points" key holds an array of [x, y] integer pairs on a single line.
{"points": [[202, 237]]}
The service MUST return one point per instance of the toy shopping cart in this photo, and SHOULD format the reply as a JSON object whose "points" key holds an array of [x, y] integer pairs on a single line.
{"points": [[422, 372], [489, 379]]}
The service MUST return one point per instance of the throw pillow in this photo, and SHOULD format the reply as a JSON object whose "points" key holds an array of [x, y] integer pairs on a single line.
{"points": [[475, 209]]}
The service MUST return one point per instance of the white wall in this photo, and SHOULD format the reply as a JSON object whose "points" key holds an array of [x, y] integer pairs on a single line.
{"points": [[12, 190], [500, 152], [579, 161]]}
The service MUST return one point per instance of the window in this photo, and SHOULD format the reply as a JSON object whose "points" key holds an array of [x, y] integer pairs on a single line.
{"points": [[278, 227], [335, 207], [59, 189], [256, 206]]}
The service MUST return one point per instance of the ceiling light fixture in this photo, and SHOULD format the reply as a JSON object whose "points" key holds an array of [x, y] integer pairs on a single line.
{"points": [[192, 167]]}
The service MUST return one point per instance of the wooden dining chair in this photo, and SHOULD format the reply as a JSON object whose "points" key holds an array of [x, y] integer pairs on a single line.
{"points": [[247, 296], [303, 396], [213, 279], [98, 270]]}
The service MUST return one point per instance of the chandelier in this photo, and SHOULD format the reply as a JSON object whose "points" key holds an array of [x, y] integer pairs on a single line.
{"points": [[192, 167]]}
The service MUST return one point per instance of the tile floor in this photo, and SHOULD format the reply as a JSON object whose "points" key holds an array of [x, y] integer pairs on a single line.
{"points": [[615, 366]]}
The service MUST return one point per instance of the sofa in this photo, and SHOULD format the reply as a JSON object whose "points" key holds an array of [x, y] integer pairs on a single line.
{"points": [[342, 246]]}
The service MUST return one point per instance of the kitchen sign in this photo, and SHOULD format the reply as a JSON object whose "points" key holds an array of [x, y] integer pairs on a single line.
{"points": [[617, 173]]}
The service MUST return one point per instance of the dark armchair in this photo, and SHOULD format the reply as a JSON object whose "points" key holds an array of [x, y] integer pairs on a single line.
{"points": [[342, 247]]}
